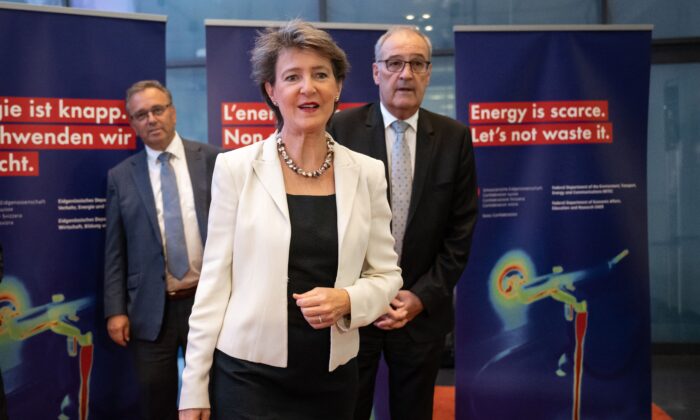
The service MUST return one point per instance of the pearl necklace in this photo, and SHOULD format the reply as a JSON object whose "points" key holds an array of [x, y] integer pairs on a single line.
{"points": [[296, 169]]}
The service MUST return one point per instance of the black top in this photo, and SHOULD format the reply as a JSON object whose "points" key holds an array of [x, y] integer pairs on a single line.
{"points": [[313, 262], [305, 389]]}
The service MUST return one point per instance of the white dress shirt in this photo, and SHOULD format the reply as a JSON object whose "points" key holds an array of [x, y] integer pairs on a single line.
{"points": [[189, 215]]}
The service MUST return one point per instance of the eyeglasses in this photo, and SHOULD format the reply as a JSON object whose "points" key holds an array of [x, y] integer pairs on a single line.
{"points": [[396, 65], [156, 110]]}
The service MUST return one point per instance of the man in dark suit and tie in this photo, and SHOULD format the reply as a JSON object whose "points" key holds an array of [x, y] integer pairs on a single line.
{"points": [[431, 174], [157, 209]]}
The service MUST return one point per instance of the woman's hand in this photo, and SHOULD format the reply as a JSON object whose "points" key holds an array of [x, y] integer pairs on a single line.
{"points": [[323, 306], [195, 414]]}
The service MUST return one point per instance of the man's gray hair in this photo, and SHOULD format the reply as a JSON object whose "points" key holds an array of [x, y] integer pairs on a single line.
{"points": [[396, 29]]}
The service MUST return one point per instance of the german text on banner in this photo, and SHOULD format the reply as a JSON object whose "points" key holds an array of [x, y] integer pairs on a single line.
{"points": [[62, 126], [553, 309]]}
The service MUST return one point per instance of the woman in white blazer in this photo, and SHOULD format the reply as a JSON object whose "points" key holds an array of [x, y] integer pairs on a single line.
{"points": [[299, 252]]}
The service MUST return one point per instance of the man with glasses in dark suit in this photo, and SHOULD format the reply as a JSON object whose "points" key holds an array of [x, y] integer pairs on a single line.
{"points": [[432, 182]]}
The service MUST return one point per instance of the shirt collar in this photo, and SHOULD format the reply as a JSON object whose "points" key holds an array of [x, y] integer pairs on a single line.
{"points": [[389, 118], [176, 148]]}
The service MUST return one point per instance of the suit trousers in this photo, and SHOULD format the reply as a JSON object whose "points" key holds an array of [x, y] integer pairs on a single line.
{"points": [[156, 362], [413, 368]]}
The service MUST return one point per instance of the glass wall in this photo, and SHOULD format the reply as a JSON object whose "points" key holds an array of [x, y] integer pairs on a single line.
{"points": [[671, 19], [673, 167], [674, 120], [674, 202]]}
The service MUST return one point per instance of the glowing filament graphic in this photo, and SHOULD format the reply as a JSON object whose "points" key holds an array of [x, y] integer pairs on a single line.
{"points": [[20, 321], [514, 285]]}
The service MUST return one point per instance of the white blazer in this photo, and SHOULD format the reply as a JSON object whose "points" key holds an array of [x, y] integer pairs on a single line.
{"points": [[241, 302]]}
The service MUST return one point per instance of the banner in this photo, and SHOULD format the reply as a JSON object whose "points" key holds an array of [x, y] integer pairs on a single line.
{"points": [[62, 126], [238, 115], [553, 309]]}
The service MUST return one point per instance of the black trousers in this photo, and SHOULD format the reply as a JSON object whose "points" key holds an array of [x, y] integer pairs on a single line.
{"points": [[156, 362], [413, 368]]}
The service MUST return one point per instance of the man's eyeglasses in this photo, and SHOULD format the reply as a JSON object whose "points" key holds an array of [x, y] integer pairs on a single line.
{"points": [[396, 65], [156, 110]]}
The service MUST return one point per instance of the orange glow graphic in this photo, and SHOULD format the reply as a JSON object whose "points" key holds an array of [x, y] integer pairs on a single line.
{"points": [[514, 285], [19, 321]]}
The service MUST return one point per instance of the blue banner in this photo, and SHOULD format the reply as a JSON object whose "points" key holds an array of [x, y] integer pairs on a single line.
{"points": [[553, 309], [62, 126], [238, 116]]}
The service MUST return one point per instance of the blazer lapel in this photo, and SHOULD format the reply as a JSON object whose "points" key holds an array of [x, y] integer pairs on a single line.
{"points": [[346, 175], [196, 166], [375, 125], [268, 170], [425, 148], [143, 186]]}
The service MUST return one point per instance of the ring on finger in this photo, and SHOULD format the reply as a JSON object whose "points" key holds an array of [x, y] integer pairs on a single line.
{"points": [[320, 319]]}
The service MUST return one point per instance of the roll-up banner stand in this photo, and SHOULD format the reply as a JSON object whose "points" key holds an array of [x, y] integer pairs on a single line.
{"points": [[238, 116], [62, 126], [553, 308]]}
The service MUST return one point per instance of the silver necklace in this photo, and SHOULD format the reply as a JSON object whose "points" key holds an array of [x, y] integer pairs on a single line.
{"points": [[299, 171]]}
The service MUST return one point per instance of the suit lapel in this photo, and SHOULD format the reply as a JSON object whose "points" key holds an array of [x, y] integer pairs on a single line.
{"points": [[346, 174], [268, 170], [377, 135], [425, 148], [196, 166], [143, 186]]}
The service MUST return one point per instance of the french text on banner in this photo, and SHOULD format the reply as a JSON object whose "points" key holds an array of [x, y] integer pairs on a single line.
{"points": [[245, 123], [235, 137], [258, 113], [250, 113]]}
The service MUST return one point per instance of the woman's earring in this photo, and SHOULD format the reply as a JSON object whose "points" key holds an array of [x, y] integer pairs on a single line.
{"points": [[337, 98]]}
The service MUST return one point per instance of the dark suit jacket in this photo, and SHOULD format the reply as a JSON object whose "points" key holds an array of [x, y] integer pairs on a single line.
{"points": [[443, 208], [134, 282]]}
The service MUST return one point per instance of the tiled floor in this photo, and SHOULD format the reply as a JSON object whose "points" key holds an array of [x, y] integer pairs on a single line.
{"points": [[675, 385]]}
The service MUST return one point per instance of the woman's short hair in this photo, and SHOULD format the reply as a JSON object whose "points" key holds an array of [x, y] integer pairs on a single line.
{"points": [[294, 34]]}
